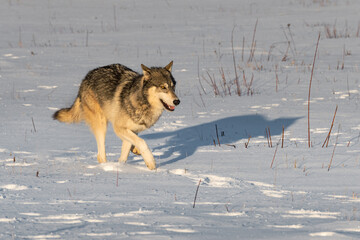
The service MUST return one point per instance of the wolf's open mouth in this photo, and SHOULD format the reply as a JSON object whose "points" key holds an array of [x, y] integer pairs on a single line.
{"points": [[167, 107]]}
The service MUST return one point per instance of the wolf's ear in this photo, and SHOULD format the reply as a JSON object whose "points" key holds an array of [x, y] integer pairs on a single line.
{"points": [[169, 66], [146, 71]]}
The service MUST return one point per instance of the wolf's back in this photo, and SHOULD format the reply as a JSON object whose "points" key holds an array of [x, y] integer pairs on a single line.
{"points": [[98, 86], [69, 115], [103, 81]]}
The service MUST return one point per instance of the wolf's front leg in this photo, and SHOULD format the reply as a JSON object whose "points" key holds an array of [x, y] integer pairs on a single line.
{"points": [[125, 150], [148, 158], [139, 143]]}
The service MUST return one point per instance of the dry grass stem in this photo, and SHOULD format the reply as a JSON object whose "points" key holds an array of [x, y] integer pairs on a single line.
{"points": [[253, 44], [332, 156], [243, 46], [226, 88], [213, 84], [234, 61], [292, 39], [268, 136], [198, 72], [272, 162], [332, 124], [20, 43], [311, 77]]}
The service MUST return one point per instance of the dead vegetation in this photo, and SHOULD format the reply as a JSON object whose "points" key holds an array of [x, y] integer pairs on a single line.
{"points": [[248, 64]]}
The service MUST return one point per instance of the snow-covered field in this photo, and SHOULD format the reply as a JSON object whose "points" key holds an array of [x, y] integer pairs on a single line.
{"points": [[51, 186]]}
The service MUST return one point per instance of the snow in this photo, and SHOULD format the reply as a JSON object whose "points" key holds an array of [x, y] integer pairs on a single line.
{"points": [[51, 186]]}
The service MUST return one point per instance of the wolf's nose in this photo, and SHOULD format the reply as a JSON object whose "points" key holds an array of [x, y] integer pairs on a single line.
{"points": [[176, 102]]}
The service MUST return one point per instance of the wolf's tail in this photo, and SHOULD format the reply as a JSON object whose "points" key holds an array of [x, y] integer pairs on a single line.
{"points": [[69, 115]]}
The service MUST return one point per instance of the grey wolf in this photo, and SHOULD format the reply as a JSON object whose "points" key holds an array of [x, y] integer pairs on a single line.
{"points": [[132, 102]]}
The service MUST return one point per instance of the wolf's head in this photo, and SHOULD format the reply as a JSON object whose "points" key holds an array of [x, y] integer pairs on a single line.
{"points": [[161, 87]]}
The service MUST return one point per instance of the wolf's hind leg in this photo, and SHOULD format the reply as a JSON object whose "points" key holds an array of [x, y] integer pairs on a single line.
{"points": [[100, 140], [125, 150], [97, 122], [139, 143]]}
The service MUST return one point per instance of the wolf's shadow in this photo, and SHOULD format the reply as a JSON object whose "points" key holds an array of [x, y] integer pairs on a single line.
{"points": [[230, 130]]}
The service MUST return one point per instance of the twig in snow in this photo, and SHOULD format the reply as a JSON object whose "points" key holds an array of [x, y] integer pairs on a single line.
{"points": [[32, 119], [227, 208], [196, 193], [247, 144], [272, 162], [282, 137], [217, 135], [231, 145], [69, 192]]}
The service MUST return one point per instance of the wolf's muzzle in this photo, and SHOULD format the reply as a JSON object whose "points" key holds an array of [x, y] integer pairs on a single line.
{"points": [[176, 102]]}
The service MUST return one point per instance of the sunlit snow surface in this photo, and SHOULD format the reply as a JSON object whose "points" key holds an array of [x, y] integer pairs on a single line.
{"points": [[251, 184]]}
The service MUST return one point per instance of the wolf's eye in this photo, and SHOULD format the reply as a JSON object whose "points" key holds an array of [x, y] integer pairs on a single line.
{"points": [[163, 87]]}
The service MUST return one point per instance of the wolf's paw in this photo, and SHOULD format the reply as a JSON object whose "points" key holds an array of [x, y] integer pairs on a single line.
{"points": [[135, 151], [151, 165], [101, 159]]}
